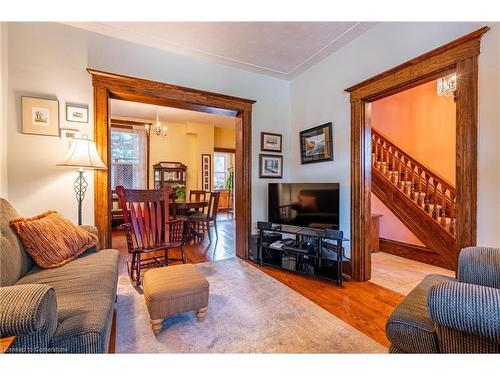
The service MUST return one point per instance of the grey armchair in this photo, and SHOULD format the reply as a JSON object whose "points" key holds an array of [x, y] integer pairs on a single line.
{"points": [[29, 312], [447, 315]]}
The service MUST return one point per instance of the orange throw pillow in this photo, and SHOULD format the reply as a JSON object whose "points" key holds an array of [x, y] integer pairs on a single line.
{"points": [[51, 240]]}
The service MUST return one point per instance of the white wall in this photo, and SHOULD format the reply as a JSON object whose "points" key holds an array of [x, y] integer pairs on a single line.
{"points": [[317, 97], [49, 60], [3, 110]]}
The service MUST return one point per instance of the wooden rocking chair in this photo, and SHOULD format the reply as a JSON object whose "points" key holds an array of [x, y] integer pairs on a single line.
{"points": [[149, 229]]}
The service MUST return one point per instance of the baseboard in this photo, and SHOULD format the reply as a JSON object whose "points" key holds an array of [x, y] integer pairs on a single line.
{"points": [[413, 252]]}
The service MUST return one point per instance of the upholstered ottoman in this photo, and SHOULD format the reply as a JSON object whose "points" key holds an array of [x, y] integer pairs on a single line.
{"points": [[172, 290]]}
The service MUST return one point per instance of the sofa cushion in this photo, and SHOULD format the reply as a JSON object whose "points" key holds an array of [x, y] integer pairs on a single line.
{"points": [[52, 240], [14, 260], [410, 327], [86, 291]]}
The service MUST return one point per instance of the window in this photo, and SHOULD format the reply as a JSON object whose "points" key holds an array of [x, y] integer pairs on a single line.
{"points": [[223, 170], [219, 171], [128, 158]]}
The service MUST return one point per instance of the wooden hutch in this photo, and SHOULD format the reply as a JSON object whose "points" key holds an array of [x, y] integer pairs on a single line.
{"points": [[169, 173]]}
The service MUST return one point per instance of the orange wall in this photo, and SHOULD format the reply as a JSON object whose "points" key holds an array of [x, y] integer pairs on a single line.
{"points": [[422, 124]]}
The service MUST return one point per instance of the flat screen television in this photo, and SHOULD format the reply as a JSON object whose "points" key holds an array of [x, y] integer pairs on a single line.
{"points": [[304, 204]]}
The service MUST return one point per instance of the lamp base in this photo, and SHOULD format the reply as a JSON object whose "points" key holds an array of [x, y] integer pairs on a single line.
{"points": [[80, 190]]}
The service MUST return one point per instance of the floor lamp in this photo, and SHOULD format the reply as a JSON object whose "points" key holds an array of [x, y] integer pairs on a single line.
{"points": [[82, 155]]}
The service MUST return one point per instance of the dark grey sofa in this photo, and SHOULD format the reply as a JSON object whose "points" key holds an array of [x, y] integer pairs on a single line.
{"points": [[448, 315], [62, 310]]}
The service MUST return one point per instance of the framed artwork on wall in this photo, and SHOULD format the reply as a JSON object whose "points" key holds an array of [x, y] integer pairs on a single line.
{"points": [[316, 144], [77, 113], [270, 166], [270, 142], [206, 172], [40, 116]]}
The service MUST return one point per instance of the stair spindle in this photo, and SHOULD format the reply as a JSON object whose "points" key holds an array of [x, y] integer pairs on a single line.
{"points": [[427, 206], [443, 215], [451, 228]]}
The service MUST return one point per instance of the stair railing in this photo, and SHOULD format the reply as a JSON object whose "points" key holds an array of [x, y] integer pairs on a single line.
{"points": [[431, 192]]}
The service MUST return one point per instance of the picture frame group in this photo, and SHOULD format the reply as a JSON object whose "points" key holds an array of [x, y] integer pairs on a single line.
{"points": [[40, 116], [271, 166]]}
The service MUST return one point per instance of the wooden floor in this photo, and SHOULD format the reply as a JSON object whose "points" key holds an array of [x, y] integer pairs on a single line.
{"points": [[222, 246], [365, 306]]}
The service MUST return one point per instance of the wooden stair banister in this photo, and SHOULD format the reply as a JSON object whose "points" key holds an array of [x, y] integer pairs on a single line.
{"points": [[424, 201], [412, 178]]}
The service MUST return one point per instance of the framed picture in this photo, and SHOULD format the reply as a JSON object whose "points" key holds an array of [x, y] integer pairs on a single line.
{"points": [[69, 135], [206, 168], [316, 144], [40, 116], [270, 166], [77, 113], [270, 142]]}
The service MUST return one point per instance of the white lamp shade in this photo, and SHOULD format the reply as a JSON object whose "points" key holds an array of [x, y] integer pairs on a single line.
{"points": [[83, 154]]}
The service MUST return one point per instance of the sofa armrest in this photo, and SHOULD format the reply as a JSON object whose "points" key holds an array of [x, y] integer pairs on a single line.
{"points": [[92, 230], [479, 265], [28, 309], [469, 308]]}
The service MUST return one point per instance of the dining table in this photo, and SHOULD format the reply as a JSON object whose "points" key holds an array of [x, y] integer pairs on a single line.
{"points": [[183, 205]]}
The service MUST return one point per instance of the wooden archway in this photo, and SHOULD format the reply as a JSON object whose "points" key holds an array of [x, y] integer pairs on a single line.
{"points": [[460, 56], [113, 86]]}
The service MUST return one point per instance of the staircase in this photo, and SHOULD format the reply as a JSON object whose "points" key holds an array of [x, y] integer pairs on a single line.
{"points": [[419, 197]]}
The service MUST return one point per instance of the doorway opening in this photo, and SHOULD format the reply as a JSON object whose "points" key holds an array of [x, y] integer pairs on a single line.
{"points": [[108, 86], [459, 56], [186, 140], [413, 190]]}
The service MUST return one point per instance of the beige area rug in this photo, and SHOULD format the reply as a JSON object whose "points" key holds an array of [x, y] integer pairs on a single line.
{"points": [[249, 312]]}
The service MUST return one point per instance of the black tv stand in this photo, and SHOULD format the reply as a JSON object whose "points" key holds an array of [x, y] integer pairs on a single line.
{"points": [[316, 252]]}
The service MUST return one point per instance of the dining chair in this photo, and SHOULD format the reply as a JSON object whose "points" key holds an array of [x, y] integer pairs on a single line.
{"points": [[149, 230], [203, 221], [197, 196]]}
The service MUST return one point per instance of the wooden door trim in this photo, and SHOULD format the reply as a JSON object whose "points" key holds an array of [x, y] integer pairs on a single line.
{"points": [[226, 150], [109, 85], [460, 56]]}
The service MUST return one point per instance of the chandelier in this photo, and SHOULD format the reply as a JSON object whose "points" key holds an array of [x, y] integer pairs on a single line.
{"points": [[158, 129], [446, 86]]}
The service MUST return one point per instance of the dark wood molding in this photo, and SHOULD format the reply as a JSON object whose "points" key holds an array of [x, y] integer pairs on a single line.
{"points": [[153, 92], [413, 252], [460, 56], [447, 54], [227, 150], [109, 85], [118, 122]]}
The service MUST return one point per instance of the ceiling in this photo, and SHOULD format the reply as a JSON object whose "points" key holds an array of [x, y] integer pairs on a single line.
{"points": [[280, 49], [122, 108]]}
